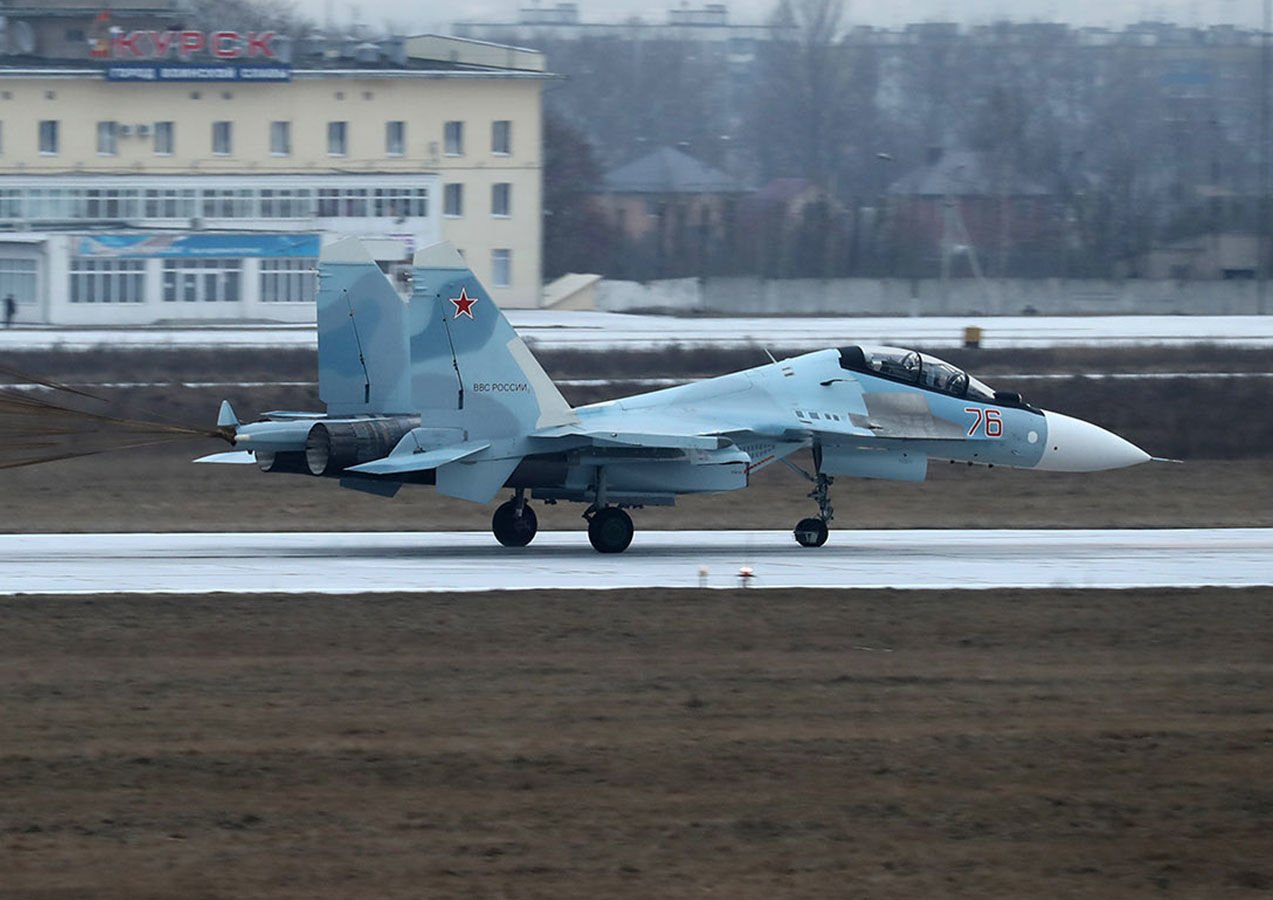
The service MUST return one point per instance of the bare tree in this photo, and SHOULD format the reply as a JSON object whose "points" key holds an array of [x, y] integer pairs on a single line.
{"points": [[577, 237], [254, 15], [799, 126]]}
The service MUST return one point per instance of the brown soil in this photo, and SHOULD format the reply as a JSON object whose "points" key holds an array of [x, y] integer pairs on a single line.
{"points": [[794, 744]]}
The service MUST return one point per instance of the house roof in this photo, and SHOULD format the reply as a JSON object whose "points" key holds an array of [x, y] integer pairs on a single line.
{"points": [[669, 171], [964, 173]]}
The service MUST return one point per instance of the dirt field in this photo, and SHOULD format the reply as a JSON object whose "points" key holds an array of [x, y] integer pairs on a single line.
{"points": [[653, 744], [650, 744]]}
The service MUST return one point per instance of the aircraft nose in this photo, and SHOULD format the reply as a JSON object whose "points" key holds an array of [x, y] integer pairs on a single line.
{"points": [[1077, 446]]}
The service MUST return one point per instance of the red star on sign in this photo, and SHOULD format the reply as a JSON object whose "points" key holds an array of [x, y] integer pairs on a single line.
{"points": [[463, 304]]}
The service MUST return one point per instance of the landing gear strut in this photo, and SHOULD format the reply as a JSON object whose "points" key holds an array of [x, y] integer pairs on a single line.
{"points": [[514, 523], [609, 528], [813, 532]]}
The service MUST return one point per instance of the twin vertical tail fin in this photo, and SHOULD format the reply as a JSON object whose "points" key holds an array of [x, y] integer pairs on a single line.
{"points": [[447, 353], [363, 366], [467, 361]]}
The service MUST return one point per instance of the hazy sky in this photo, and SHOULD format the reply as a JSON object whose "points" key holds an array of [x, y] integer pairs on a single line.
{"points": [[416, 15]]}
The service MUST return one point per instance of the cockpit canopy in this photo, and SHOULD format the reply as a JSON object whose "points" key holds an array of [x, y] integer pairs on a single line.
{"points": [[913, 367]]}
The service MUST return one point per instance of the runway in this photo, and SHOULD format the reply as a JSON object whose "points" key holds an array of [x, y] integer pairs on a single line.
{"points": [[338, 563]]}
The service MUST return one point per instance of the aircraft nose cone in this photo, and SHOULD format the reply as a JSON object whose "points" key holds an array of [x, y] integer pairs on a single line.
{"points": [[1077, 446]]}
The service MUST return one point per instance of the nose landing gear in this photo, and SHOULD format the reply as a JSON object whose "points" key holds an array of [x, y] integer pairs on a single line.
{"points": [[813, 532]]}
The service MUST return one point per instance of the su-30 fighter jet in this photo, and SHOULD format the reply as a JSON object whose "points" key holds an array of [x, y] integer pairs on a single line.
{"points": [[440, 390]]}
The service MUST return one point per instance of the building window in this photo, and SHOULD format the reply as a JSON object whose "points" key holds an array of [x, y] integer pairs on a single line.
{"points": [[289, 280], [501, 268], [337, 140], [41, 200], [112, 203], [286, 203], [107, 138], [501, 199], [201, 280], [342, 203], [17, 278], [52, 203], [395, 138], [48, 137], [222, 138], [502, 137], [107, 280], [171, 203], [402, 202], [11, 203], [453, 139], [280, 138], [229, 203], [453, 200], [165, 141]]}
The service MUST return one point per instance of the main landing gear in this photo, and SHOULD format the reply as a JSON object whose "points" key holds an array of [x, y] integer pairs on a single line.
{"points": [[514, 522], [813, 532], [610, 529]]}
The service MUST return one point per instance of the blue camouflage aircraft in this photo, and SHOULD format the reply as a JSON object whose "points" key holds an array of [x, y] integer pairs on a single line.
{"points": [[439, 389]]}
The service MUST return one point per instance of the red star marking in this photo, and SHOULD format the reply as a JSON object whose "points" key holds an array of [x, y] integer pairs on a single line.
{"points": [[463, 304]]}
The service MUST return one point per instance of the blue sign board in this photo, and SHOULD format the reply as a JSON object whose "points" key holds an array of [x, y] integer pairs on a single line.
{"points": [[143, 246], [148, 72]]}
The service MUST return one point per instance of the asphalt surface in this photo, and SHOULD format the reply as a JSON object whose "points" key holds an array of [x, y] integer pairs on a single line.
{"points": [[472, 561]]}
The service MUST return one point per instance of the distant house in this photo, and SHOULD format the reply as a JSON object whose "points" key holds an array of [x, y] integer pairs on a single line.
{"points": [[671, 206], [968, 197]]}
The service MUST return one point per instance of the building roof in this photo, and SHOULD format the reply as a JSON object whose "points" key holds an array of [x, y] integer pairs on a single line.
{"points": [[669, 171], [963, 173]]}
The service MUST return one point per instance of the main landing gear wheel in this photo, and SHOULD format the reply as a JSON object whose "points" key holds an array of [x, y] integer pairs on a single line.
{"points": [[610, 530], [511, 528], [811, 532]]}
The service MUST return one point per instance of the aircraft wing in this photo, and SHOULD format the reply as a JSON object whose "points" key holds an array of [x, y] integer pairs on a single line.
{"points": [[602, 437]]}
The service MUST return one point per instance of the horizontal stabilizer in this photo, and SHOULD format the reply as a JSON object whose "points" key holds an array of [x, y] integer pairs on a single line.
{"points": [[232, 457], [401, 463]]}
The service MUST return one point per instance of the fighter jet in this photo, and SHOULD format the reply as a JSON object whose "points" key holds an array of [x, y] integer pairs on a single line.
{"points": [[438, 389]]}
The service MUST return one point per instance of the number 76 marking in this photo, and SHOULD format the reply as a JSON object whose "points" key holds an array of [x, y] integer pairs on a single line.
{"points": [[990, 421]]}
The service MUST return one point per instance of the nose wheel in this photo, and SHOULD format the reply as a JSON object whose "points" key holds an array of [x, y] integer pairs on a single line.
{"points": [[811, 532], [514, 523]]}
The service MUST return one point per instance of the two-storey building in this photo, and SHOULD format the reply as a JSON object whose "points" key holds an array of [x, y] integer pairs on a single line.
{"points": [[195, 175]]}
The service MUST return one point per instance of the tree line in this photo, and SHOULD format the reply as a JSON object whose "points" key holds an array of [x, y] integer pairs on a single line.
{"points": [[1137, 136]]}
